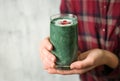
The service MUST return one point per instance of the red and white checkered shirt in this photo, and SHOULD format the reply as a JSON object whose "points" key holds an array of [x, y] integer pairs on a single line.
{"points": [[98, 27]]}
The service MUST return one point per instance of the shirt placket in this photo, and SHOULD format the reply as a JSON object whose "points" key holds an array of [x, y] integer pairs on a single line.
{"points": [[104, 14], [103, 28]]}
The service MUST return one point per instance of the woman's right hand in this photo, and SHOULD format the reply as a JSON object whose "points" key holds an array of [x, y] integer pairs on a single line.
{"points": [[47, 58]]}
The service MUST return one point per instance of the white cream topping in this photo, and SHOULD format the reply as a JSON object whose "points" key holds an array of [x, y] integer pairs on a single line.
{"points": [[63, 22]]}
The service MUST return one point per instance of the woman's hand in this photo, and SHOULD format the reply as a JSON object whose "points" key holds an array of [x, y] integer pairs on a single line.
{"points": [[88, 61], [48, 59]]}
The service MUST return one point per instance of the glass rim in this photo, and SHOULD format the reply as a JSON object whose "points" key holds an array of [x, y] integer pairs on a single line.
{"points": [[69, 15]]}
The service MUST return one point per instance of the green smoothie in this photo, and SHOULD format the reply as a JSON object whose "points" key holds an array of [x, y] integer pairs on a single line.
{"points": [[64, 37]]}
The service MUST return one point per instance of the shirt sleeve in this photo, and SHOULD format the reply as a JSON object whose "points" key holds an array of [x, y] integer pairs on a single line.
{"points": [[114, 73]]}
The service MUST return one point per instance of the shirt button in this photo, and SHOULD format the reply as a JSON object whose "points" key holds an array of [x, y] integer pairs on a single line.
{"points": [[104, 7], [117, 30], [103, 29]]}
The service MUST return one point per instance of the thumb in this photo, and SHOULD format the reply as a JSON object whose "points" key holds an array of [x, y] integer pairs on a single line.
{"points": [[81, 64], [83, 55]]}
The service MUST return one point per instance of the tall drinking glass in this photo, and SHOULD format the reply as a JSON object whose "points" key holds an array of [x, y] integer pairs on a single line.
{"points": [[64, 37]]}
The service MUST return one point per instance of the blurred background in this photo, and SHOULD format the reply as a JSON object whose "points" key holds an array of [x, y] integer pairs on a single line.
{"points": [[23, 24]]}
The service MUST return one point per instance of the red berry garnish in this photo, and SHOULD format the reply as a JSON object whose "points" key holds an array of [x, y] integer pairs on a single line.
{"points": [[64, 22]]}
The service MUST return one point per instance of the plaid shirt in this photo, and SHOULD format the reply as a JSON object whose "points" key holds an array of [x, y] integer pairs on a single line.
{"points": [[98, 27]]}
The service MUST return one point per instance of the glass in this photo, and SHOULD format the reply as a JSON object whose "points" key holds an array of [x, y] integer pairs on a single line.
{"points": [[64, 37]]}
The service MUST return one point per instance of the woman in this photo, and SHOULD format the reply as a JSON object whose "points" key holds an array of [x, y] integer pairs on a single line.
{"points": [[98, 40]]}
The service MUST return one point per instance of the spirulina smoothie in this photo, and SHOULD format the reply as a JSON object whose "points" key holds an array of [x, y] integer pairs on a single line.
{"points": [[64, 37]]}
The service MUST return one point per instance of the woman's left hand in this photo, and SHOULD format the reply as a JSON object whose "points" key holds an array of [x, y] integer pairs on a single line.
{"points": [[88, 61]]}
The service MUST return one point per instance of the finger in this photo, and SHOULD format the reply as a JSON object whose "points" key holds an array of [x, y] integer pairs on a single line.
{"points": [[82, 64], [48, 55], [67, 72], [48, 65], [52, 71], [45, 44], [48, 44], [81, 71], [62, 72], [48, 59]]}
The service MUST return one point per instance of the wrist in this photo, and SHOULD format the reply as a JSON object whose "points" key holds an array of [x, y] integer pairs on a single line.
{"points": [[111, 59]]}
